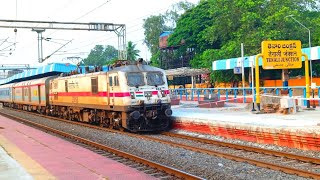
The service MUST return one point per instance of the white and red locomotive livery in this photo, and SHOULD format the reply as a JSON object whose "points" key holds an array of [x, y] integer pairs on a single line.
{"points": [[134, 97]]}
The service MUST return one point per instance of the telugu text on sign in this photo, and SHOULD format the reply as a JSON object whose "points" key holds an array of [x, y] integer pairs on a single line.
{"points": [[284, 54]]}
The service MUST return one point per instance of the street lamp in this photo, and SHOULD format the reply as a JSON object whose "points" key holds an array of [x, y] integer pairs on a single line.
{"points": [[308, 102], [309, 42]]}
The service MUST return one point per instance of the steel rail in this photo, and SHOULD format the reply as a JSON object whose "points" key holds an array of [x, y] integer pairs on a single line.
{"points": [[247, 148], [285, 169], [202, 140], [164, 168]]}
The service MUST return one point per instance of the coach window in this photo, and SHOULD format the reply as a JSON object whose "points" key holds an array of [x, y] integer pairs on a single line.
{"points": [[66, 85], [116, 81], [94, 86], [110, 81]]}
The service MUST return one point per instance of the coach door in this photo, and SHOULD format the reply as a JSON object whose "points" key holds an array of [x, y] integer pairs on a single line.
{"points": [[111, 91], [114, 89], [38, 93]]}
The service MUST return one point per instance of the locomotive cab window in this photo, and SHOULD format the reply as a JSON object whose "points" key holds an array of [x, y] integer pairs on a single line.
{"points": [[155, 78], [135, 79], [94, 85], [116, 81]]}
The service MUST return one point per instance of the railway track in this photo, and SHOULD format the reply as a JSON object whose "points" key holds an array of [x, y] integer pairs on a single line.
{"points": [[141, 164], [289, 163], [286, 162]]}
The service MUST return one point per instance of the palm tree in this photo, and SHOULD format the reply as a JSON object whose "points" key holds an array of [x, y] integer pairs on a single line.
{"points": [[132, 53]]}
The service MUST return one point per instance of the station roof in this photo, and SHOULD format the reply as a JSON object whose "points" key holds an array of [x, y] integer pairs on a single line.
{"points": [[44, 71], [186, 71], [224, 64], [165, 33]]}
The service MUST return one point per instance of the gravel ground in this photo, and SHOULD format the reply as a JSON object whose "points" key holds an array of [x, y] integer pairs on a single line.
{"points": [[202, 165], [257, 156], [248, 143]]}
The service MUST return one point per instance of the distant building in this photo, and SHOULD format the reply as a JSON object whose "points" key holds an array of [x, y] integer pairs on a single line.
{"points": [[169, 59]]}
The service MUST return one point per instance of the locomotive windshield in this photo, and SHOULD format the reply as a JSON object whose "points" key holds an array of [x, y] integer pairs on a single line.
{"points": [[135, 79], [155, 78]]}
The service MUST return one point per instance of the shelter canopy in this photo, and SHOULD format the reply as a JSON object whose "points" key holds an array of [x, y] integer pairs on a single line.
{"points": [[313, 54], [186, 71]]}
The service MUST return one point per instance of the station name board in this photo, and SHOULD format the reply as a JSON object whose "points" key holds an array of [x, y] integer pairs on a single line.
{"points": [[284, 54]]}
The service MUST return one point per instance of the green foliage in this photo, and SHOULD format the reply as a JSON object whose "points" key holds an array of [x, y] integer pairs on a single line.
{"points": [[156, 24], [132, 52], [190, 27], [153, 27], [155, 59], [101, 56], [214, 29]]}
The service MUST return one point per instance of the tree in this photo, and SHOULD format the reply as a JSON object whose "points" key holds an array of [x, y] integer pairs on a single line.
{"points": [[216, 28], [156, 24], [132, 53], [110, 53], [190, 32], [153, 26], [101, 56]]}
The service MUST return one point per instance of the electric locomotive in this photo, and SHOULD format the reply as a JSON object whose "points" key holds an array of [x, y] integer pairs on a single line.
{"points": [[134, 97]]}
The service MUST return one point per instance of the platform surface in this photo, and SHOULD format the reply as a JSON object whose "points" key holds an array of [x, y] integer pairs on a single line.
{"points": [[238, 113], [32, 154], [10, 169], [300, 130]]}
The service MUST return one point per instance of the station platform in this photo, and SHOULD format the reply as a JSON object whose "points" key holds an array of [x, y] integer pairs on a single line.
{"points": [[27, 153], [300, 130]]}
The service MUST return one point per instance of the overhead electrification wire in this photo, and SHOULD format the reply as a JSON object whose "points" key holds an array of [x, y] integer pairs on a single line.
{"points": [[94, 9], [128, 32], [5, 40]]}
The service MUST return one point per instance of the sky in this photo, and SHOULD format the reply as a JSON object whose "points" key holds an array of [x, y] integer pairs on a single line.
{"points": [[21, 47]]}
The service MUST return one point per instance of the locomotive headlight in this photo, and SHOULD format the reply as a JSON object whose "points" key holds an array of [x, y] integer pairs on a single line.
{"points": [[132, 95]]}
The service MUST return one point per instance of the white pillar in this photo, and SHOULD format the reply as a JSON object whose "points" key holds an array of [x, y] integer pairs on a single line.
{"points": [[192, 82]]}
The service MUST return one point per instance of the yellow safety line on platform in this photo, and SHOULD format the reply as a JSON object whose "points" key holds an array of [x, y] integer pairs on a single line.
{"points": [[31, 166]]}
